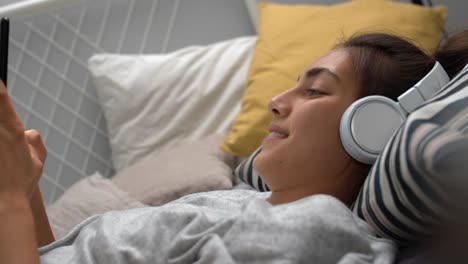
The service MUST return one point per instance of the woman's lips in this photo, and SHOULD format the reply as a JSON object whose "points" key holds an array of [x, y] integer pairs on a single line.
{"points": [[276, 133], [278, 130]]}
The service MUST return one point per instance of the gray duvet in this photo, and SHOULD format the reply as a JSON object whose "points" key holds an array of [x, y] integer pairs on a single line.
{"points": [[236, 226]]}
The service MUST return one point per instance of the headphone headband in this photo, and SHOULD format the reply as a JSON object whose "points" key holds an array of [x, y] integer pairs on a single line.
{"points": [[425, 89]]}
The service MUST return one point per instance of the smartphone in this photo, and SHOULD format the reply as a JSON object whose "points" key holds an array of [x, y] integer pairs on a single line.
{"points": [[4, 41]]}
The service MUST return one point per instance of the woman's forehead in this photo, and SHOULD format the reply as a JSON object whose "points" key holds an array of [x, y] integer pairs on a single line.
{"points": [[336, 61], [337, 65]]}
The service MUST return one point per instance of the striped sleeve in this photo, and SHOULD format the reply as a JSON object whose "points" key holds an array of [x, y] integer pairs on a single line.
{"points": [[247, 173]]}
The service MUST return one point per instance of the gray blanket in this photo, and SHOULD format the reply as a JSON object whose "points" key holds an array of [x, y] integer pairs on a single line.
{"points": [[236, 226]]}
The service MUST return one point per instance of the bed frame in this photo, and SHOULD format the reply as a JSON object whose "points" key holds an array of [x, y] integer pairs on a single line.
{"points": [[50, 43]]}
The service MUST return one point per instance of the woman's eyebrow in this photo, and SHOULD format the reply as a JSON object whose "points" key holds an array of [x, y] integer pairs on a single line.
{"points": [[316, 71]]}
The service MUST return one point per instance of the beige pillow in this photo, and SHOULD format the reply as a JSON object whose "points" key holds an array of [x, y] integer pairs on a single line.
{"points": [[89, 196], [189, 167]]}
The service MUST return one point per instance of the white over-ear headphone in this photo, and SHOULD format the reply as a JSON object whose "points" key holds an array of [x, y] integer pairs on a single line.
{"points": [[367, 125]]}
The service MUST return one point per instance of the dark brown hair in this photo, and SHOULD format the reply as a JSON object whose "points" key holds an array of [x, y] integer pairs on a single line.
{"points": [[453, 54], [389, 65]]}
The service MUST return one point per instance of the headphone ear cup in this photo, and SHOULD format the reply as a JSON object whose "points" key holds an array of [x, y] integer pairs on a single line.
{"points": [[367, 125]]}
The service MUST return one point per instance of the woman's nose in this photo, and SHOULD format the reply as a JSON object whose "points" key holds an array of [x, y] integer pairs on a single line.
{"points": [[279, 105]]}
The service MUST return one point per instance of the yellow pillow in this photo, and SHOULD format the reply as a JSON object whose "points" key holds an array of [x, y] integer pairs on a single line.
{"points": [[290, 37]]}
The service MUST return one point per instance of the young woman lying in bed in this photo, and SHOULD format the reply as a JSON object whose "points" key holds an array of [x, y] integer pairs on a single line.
{"points": [[303, 156]]}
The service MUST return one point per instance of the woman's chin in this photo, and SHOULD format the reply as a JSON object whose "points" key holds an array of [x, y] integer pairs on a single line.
{"points": [[269, 140], [260, 162], [264, 163]]}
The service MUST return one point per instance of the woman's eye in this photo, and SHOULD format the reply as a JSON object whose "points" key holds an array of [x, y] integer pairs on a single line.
{"points": [[313, 92]]}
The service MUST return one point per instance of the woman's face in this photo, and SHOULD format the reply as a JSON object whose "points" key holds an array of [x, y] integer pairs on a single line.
{"points": [[304, 147]]}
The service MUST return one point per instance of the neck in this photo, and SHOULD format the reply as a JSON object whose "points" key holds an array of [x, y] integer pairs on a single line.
{"points": [[346, 192], [287, 196]]}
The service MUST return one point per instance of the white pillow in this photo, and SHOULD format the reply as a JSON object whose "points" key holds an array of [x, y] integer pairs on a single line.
{"points": [[151, 102]]}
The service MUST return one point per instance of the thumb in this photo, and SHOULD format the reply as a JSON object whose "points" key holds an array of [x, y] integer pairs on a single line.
{"points": [[37, 146]]}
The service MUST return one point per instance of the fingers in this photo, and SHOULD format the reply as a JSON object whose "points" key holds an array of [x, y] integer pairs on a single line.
{"points": [[34, 139], [11, 122], [20, 169], [9, 119]]}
